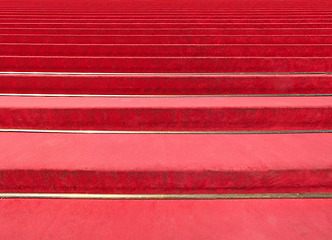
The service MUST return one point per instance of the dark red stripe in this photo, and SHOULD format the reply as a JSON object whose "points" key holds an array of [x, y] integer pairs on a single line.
{"points": [[170, 31], [167, 25], [161, 50], [171, 17], [166, 85], [165, 182], [166, 39], [160, 20], [166, 64]]}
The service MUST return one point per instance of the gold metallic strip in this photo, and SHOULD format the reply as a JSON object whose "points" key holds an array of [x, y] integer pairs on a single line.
{"points": [[159, 96], [162, 74], [165, 196], [162, 132]]}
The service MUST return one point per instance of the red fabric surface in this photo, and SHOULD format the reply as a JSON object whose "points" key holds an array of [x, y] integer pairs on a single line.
{"points": [[165, 25], [157, 219], [167, 114], [152, 19], [165, 64], [166, 6], [169, 31], [259, 36], [149, 163], [167, 50], [165, 39], [161, 22], [166, 85]]}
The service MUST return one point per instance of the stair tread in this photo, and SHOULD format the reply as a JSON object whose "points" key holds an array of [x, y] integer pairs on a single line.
{"points": [[162, 102], [167, 114], [158, 219], [140, 163]]}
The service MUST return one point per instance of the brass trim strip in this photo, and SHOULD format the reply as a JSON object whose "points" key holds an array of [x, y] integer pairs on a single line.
{"points": [[162, 132], [159, 96], [165, 196], [163, 74]]}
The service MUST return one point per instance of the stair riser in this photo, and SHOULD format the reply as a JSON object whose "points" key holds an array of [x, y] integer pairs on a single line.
{"points": [[170, 31], [169, 119], [166, 64], [129, 20], [163, 163], [167, 182], [167, 50], [167, 25], [166, 85], [174, 15], [170, 39]]}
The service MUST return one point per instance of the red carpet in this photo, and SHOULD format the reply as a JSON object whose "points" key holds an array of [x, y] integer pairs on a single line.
{"points": [[253, 76], [165, 64], [158, 219], [166, 85], [167, 114], [167, 50], [166, 39], [153, 163]]}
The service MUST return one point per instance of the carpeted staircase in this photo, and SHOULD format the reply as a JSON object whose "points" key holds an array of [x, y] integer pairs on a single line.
{"points": [[179, 119]]}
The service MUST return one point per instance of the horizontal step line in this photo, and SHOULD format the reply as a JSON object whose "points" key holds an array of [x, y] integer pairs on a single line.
{"points": [[173, 13], [160, 10], [173, 20], [156, 29], [163, 74], [174, 44], [165, 35], [165, 23], [165, 196], [161, 57], [160, 95], [23, 20], [162, 132], [156, 14], [176, 16]]}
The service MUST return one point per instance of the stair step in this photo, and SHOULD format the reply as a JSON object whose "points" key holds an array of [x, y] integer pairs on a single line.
{"points": [[167, 114], [162, 20], [167, 25], [158, 219], [46, 83], [164, 163], [169, 31], [111, 107], [165, 64], [167, 50], [165, 39], [174, 14]]}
